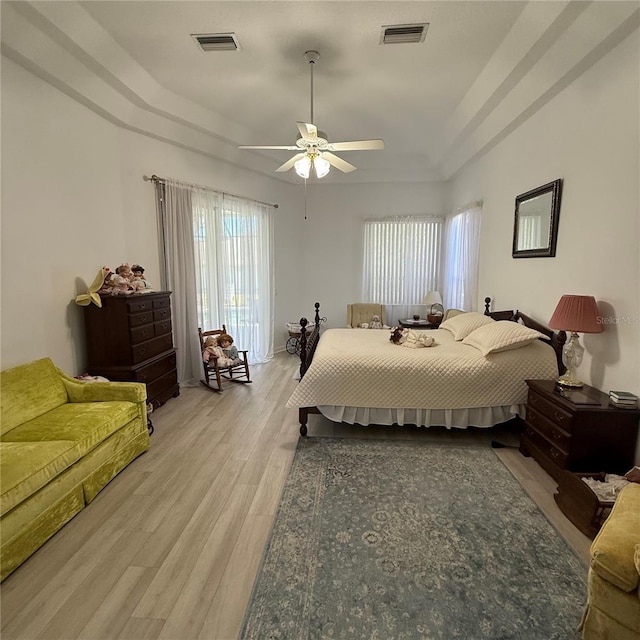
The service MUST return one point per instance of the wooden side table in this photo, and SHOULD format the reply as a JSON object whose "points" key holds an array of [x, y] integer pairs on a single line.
{"points": [[577, 430]]}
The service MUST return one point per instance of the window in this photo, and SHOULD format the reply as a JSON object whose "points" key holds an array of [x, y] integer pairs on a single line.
{"points": [[233, 239], [462, 255], [401, 260]]}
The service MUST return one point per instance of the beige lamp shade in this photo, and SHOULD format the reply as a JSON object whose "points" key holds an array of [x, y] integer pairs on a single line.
{"points": [[433, 297], [435, 313]]}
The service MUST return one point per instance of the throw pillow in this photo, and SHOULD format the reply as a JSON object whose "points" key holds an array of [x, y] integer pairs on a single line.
{"points": [[503, 335], [462, 325]]}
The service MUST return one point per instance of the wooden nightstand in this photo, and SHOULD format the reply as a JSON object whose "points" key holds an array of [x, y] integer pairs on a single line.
{"points": [[588, 438]]}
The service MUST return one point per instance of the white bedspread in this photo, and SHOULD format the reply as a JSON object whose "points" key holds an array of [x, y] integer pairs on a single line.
{"points": [[362, 368]]}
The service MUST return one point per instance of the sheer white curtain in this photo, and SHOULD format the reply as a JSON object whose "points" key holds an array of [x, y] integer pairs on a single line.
{"points": [[401, 263], [461, 258], [179, 275], [234, 269], [217, 255]]}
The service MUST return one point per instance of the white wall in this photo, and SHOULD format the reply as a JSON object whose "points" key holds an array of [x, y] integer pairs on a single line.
{"points": [[73, 200], [333, 236], [588, 135]]}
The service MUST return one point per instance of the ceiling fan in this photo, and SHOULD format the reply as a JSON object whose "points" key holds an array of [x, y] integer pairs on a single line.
{"points": [[314, 149]]}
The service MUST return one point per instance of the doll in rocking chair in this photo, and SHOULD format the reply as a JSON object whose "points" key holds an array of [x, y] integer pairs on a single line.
{"points": [[213, 351]]}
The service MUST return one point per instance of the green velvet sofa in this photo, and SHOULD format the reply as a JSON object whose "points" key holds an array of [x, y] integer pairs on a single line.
{"points": [[613, 600], [61, 442]]}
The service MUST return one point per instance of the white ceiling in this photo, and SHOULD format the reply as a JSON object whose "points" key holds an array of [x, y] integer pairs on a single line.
{"points": [[483, 68]]}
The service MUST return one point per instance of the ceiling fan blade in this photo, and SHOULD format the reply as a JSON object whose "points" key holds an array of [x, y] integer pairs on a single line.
{"points": [[356, 145], [254, 146], [338, 163], [290, 162], [309, 132]]}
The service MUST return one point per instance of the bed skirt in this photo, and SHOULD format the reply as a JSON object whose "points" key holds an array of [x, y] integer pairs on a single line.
{"points": [[450, 418]]}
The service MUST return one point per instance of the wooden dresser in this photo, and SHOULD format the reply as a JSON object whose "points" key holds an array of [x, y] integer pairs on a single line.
{"points": [[129, 339], [588, 438]]}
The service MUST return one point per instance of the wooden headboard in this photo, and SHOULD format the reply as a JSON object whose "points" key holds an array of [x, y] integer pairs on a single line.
{"points": [[556, 339]]}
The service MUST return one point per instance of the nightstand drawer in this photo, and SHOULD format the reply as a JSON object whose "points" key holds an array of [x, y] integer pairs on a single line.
{"points": [[548, 429], [558, 457], [552, 411]]}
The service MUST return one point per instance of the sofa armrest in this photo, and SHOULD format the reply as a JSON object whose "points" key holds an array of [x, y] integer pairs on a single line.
{"points": [[79, 391], [614, 548]]}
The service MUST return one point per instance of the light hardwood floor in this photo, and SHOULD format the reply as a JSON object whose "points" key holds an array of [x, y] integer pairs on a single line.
{"points": [[170, 548]]}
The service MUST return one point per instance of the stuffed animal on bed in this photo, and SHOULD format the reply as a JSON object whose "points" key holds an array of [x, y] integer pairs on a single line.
{"points": [[411, 339]]}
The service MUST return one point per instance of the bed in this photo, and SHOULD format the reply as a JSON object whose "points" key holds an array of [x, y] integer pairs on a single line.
{"points": [[358, 376]]}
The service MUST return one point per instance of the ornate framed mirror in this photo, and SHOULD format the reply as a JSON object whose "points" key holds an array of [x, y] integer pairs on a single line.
{"points": [[535, 228]]}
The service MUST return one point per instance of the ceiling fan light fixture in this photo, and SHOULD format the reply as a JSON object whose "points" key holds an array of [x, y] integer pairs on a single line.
{"points": [[315, 161], [321, 166], [303, 167]]}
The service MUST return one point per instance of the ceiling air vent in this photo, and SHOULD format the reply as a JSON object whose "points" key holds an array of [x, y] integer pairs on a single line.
{"points": [[216, 41], [403, 33]]}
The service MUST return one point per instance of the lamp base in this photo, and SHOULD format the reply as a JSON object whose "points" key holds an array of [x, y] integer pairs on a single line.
{"points": [[572, 358], [565, 381]]}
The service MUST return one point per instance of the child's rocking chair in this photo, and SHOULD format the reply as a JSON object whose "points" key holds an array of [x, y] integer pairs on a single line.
{"points": [[214, 373]]}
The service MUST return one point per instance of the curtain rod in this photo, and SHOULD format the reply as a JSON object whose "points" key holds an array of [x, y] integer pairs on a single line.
{"points": [[155, 178]]}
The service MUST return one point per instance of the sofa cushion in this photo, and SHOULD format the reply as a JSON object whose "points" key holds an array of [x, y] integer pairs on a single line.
{"points": [[26, 467], [86, 424], [612, 551], [28, 391]]}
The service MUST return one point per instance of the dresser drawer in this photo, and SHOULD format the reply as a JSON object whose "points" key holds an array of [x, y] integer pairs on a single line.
{"points": [[548, 429], [142, 333], [150, 348], [552, 411], [162, 303], [148, 373], [135, 306], [162, 327], [554, 454], [138, 319], [162, 314], [157, 387]]}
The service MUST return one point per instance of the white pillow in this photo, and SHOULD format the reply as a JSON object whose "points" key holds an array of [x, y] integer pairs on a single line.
{"points": [[503, 335], [462, 325]]}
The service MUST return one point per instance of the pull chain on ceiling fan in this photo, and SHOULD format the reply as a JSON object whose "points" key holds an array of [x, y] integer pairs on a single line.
{"points": [[315, 151]]}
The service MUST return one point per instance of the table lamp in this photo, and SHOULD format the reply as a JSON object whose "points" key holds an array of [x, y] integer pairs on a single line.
{"points": [[433, 300], [575, 314]]}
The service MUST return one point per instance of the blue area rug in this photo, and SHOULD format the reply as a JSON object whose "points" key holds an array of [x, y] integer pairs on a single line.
{"points": [[398, 540]]}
